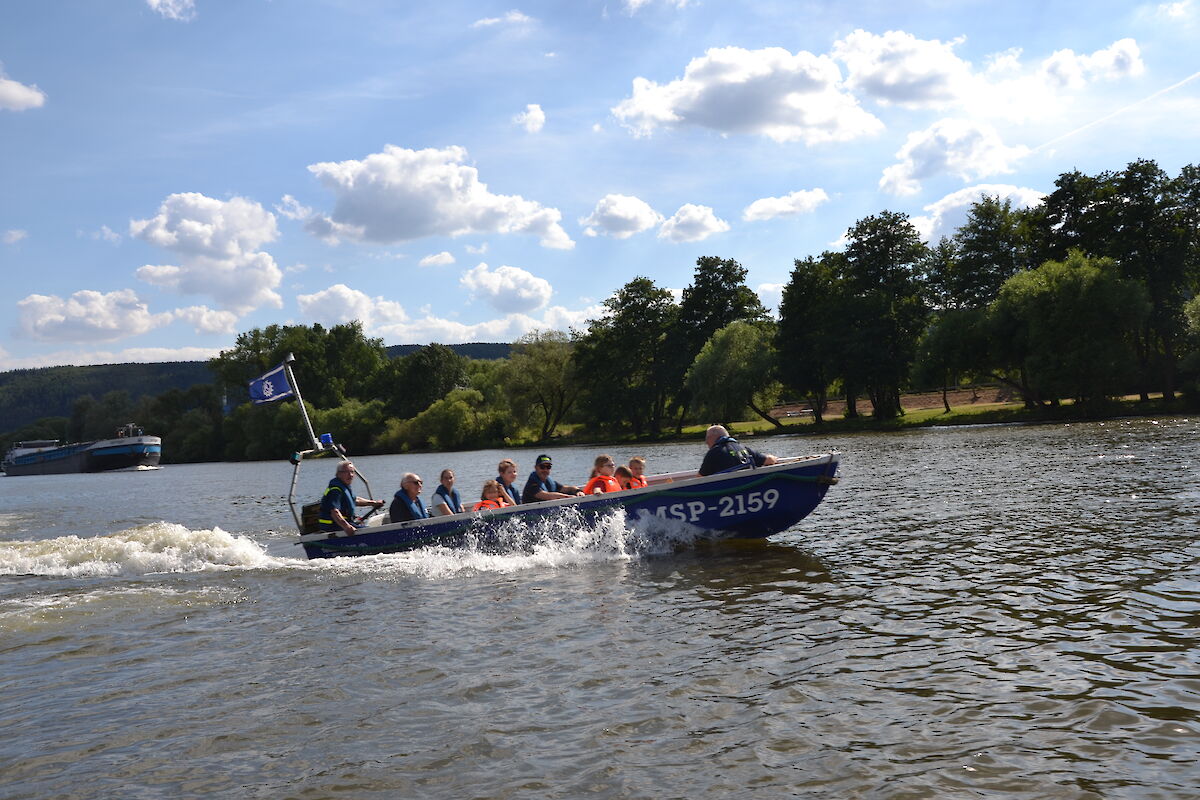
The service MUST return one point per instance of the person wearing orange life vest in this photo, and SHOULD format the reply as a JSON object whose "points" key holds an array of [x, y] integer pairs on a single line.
{"points": [[637, 465], [602, 477], [623, 476], [493, 496]]}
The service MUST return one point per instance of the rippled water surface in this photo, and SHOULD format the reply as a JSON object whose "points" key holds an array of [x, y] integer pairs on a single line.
{"points": [[972, 612]]}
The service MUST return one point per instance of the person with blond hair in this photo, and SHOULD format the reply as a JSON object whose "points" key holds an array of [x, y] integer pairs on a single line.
{"points": [[637, 467], [507, 469], [623, 476], [602, 479], [492, 496]]}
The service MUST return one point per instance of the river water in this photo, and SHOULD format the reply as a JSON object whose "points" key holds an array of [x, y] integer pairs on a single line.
{"points": [[972, 612]]}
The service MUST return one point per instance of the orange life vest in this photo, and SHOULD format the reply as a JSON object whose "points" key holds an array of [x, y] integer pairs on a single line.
{"points": [[497, 503], [607, 483]]}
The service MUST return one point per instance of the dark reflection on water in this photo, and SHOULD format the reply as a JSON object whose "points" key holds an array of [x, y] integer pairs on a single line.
{"points": [[972, 613]]}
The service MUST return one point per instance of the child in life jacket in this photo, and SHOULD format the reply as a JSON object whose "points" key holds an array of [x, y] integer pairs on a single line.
{"points": [[602, 477], [637, 466], [493, 496]]}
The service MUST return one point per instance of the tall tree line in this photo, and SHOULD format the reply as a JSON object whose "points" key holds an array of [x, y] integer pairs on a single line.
{"points": [[1090, 294], [1081, 297]]}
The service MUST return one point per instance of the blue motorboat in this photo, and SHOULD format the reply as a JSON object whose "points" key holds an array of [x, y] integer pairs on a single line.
{"points": [[748, 503]]}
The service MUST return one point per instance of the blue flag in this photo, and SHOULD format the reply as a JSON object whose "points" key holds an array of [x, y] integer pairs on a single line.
{"points": [[271, 387]]}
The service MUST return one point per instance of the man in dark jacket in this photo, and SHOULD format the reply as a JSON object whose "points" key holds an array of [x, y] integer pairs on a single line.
{"points": [[725, 452], [541, 486], [338, 502]]}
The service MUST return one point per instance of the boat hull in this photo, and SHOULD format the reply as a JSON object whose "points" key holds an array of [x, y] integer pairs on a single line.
{"points": [[750, 503], [101, 456]]}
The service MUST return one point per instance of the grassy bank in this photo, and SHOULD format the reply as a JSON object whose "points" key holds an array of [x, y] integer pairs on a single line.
{"points": [[982, 413]]}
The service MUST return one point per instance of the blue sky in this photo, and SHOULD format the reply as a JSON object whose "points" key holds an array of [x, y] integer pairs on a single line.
{"points": [[173, 172]]}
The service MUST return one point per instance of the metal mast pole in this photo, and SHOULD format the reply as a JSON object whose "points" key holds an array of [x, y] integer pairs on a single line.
{"points": [[312, 437]]}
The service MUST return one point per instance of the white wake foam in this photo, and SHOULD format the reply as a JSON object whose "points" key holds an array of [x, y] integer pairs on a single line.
{"points": [[147, 549], [558, 540]]}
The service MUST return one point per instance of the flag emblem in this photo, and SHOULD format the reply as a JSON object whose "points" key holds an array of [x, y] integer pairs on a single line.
{"points": [[271, 386]]}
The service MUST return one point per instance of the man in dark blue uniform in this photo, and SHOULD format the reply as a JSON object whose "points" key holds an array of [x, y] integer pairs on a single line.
{"points": [[338, 502], [725, 452], [541, 486]]}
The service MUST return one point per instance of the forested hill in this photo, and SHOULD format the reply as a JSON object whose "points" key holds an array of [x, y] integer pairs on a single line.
{"points": [[482, 350], [30, 394], [27, 395]]}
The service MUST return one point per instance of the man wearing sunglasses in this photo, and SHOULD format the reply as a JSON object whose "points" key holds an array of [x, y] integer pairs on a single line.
{"points": [[407, 503], [541, 486]]}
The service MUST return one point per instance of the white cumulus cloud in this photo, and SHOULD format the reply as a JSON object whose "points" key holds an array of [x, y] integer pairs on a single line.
{"points": [[532, 119], [620, 216], [1121, 59], [400, 194], [633, 6], [1175, 11], [217, 242], [770, 295], [86, 316], [899, 68], [968, 149], [510, 290], [804, 201], [339, 303], [15, 96], [207, 320], [14, 235], [513, 17], [441, 259], [502, 329], [770, 92], [182, 10], [692, 223], [106, 234]]}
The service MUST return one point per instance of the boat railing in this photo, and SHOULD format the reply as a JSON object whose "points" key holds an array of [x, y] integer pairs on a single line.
{"points": [[304, 518]]}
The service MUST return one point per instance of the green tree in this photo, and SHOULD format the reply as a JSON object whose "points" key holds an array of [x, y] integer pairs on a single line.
{"points": [[810, 334], [1147, 222], [540, 377], [1067, 327], [735, 370], [1189, 370], [189, 421], [43, 428], [623, 361], [938, 273], [717, 296], [92, 419], [411, 384], [460, 419], [331, 365], [989, 248], [886, 311], [954, 345]]}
